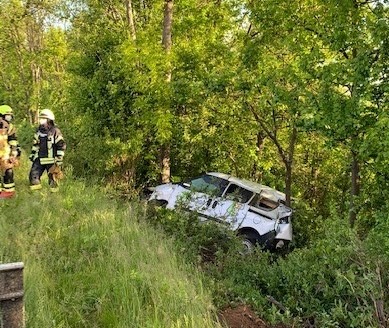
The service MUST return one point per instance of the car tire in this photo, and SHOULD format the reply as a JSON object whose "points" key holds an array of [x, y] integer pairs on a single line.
{"points": [[157, 203], [249, 241], [154, 205]]}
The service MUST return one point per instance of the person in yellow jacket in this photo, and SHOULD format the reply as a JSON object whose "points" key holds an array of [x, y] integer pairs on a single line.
{"points": [[9, 152], [47, 151]]}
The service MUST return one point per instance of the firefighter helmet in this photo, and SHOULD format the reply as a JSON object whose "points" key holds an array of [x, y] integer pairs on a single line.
{"points": [[47, 113], [5, 110]]}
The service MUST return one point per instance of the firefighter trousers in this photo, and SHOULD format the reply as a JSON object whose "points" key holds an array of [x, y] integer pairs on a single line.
{"points": [[7, 183], [37, 169]]}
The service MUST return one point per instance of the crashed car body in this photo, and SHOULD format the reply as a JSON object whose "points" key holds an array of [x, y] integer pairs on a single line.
{"points": [[256, 212]]}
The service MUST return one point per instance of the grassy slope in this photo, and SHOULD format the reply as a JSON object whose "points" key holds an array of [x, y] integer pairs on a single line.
{"points": [[91, 262]]}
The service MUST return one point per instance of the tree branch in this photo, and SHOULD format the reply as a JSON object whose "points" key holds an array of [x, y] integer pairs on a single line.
{"points": [[271, 135], [272, 300]]}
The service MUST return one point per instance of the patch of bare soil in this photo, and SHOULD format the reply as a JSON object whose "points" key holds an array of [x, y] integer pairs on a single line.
{"points": [[243, 317]]}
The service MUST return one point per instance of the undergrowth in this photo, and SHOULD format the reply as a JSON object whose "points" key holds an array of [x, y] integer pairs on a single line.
{"points": [[338, 280], [90, 261]]}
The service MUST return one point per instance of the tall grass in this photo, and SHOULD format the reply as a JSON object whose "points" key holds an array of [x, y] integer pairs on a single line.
{"points": [[92, 262]]}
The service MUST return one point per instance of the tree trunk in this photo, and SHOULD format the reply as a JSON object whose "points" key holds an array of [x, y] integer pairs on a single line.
{"points": [[255, 174], [35, 45], [130, 19], [288, 182], [165, 163], [167, 33], [354, 188], [288, 160], [167, 25], [286, 155], [167, 44], [313, 189]]}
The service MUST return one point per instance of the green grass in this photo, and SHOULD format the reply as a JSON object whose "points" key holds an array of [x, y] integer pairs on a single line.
{"points": [[90, 261]]}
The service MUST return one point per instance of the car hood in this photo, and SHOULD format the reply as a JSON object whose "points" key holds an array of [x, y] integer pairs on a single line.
{"points": [[164, 188]]}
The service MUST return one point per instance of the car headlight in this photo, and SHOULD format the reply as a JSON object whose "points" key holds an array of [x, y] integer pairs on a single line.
{"points": [[284, 220], [155, 194]]}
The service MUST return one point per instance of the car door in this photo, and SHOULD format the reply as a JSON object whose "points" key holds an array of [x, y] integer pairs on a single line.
{"points": [[231, 208], [202, 191]]}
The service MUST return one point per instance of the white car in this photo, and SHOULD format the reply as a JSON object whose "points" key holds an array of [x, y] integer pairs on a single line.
{"points": [[256, 212]]}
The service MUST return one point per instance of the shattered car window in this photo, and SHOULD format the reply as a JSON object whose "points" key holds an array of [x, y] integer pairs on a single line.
{"points": [[208, 184], [238, 194], [263, 203]]}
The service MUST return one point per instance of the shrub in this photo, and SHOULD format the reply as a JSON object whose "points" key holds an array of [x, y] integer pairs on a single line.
{"points": [[333, 283], [197, 241]]}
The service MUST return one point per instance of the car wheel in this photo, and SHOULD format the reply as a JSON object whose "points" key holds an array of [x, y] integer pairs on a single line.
{"points": [[157, 203], [154, 205], [249, 241]]}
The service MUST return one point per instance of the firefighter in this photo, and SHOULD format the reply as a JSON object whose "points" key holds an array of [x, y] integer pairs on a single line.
{"points": [[9, 152], [47, 152]]}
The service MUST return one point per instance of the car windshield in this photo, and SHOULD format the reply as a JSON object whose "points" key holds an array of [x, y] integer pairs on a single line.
{"points": [[208, 184]]}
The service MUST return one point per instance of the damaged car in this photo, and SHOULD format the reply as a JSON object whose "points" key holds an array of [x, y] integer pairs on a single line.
{"points": [[254, 211]]}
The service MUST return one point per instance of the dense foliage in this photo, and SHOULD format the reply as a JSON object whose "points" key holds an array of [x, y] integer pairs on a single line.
{"points": [[338, 281], [290, 94]]}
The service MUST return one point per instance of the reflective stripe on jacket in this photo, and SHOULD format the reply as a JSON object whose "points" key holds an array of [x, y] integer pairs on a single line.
{"points": [[8, 141], [47, 145]]}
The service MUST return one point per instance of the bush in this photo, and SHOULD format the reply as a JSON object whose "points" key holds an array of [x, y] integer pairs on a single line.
{"points": [[25, 133], [336, 280], [333, 283], [199, 242]]}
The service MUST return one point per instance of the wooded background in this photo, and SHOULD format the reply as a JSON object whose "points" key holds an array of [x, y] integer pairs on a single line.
{"points": [[292, 94]]}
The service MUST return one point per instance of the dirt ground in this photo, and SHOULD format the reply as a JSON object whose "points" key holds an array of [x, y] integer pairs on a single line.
{"points": [[243, 317]]}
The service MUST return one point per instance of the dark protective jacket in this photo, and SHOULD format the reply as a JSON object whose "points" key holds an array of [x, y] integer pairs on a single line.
{"points": [[48, 145]]}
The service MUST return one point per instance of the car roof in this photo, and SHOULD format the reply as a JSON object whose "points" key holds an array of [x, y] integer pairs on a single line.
{"points": [[258, 188]]}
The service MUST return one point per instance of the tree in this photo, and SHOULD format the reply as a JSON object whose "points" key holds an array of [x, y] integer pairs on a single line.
{"points": [[345, 106], [328, 58], [146, 95], [32, 53], [167, 44], [275, 87]]}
